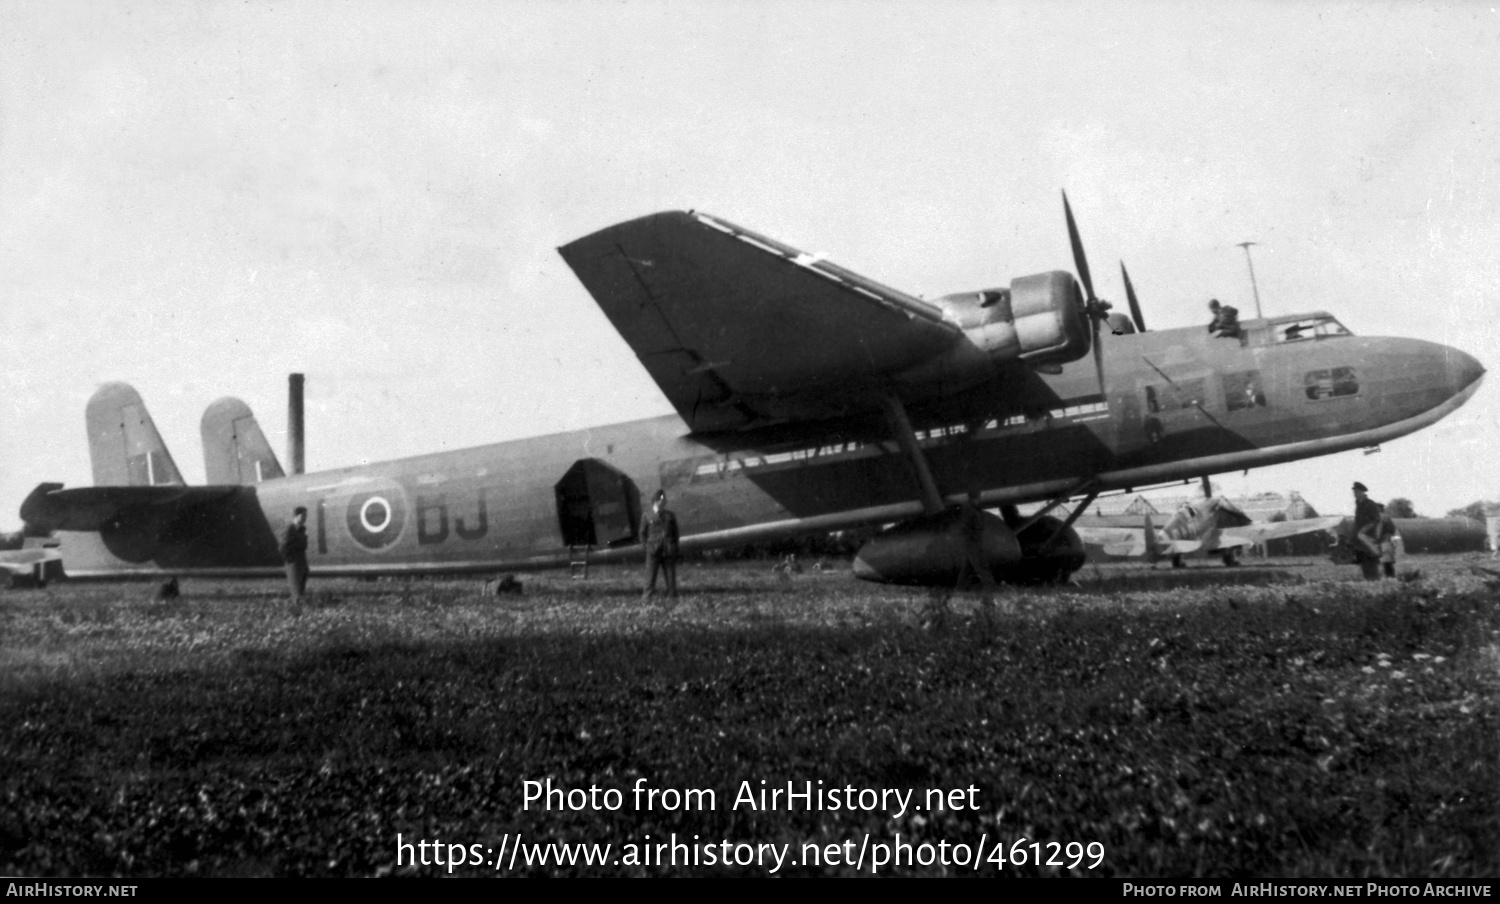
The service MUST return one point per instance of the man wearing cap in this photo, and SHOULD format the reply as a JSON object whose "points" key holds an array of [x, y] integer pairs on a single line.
{"points": [[294, 552], [1366, 514], [1226, 322], [659, 536]]}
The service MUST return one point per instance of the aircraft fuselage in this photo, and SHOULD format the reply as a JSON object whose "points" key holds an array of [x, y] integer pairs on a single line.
{"points": [[1178, 404]]}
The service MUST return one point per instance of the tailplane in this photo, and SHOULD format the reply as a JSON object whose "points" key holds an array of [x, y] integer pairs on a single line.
{"points": [[235, 450], [124, 446]]}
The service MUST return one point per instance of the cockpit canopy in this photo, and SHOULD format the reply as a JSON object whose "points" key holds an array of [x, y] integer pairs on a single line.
{"points": [[1301, 329]]}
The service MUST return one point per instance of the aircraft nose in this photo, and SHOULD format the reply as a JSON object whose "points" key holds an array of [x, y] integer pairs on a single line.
{"points": [[1463, 370]]}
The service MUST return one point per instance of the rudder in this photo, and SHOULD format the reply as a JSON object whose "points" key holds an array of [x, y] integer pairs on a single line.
{"points": [[235, 450], [124, 446]]}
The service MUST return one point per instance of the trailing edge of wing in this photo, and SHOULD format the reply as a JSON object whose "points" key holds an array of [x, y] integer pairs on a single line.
{"points": [[1250, 534], [50, 507], [739, 329]]}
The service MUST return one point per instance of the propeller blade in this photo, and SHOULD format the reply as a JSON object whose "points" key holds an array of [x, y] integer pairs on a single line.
{"points": [[1080, 262], [1095, 309], [1099, 358], [1135, 307]]}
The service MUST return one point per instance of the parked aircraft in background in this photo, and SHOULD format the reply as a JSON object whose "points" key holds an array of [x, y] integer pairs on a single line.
{"points": [[1214, 526], [808, 399], [31, 566]]}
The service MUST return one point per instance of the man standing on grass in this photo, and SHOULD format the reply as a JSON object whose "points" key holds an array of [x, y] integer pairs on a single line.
{"points": [[659, 536], [1366, 514], [294, 552]]}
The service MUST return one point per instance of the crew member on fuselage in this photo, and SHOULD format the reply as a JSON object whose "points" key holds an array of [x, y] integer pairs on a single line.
{"points": [[1225, 322]]}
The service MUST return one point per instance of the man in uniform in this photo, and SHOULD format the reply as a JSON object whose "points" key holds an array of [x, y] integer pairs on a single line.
{"points": [[294, 552], [1366, 515], [1226, 320], [659, 536]]}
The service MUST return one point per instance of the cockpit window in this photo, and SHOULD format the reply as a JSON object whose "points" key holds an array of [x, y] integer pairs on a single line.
{"points": [[1331, 384], [1309, 328]]}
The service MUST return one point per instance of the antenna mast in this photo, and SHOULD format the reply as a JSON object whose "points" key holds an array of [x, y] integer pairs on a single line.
{"points": [[1253, 287]]}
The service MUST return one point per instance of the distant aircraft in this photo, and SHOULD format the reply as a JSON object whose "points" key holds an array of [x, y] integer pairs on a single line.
{"points": [[1214, 526], [808, 399], [31, 566]]}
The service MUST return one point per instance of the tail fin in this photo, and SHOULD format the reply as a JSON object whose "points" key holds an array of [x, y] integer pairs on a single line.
{"points": [[235, 450], [124, 446]]}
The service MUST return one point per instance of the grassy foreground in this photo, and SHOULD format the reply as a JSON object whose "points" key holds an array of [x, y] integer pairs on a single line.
{"points": [[1264, 721]]}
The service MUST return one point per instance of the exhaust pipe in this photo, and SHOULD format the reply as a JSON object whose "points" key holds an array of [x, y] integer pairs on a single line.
{"points": [[294, 427]]}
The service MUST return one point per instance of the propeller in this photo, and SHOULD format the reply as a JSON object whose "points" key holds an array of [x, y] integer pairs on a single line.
{"points": [[1094, 307], [1135, 308]]}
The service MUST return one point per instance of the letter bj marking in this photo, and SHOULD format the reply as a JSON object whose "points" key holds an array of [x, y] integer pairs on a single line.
{"points": [[432, 519], [481, 521]]}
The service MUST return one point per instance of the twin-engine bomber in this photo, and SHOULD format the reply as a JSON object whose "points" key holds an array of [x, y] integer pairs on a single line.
{"points": [[808, 399]]}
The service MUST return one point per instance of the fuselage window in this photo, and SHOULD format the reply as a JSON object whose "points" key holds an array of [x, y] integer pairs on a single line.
{"points": [[1173, 396], [1244, 390], [1331, 384]]}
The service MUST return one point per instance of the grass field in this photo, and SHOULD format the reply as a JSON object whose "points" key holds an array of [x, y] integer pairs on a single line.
{"points": [[1271, 720]]}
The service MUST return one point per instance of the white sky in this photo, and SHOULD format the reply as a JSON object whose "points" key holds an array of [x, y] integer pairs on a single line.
{"points": [[199, 198]]}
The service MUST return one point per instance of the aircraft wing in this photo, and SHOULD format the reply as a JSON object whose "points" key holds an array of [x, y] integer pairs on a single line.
{"points": [[1131, 541], [23, 562], [738, 329], [1117, 541], [1251, 534], [50, 507]]}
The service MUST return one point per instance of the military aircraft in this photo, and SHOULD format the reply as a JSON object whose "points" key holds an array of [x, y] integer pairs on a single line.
{"points": [[31, 566], [808, 398], [1214, 526]]}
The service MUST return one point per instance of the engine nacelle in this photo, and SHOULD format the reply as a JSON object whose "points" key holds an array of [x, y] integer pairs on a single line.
{"points": [[1053, 564], [1038, 320]]}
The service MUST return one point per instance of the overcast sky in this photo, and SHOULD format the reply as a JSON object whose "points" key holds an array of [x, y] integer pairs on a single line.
{"points": [[199, 198]]}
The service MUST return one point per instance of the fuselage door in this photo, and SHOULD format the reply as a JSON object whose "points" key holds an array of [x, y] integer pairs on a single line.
{"points": [[597, 505]]}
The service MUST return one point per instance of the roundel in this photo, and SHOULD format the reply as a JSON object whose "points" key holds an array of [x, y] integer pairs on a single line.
{"points": [[376, 516]]}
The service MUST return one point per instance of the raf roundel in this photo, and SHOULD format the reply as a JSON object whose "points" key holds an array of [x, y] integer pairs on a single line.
{"points": [[376, 517]]}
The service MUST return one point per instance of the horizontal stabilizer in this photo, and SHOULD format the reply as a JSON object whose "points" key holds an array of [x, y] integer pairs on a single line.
{"points": [[50, 507]]}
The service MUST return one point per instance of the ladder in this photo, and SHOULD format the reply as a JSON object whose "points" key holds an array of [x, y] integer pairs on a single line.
{"points": [[578, 562]]}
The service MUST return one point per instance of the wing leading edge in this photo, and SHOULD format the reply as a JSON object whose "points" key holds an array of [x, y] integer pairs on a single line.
{"points": [[740, 330]]}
